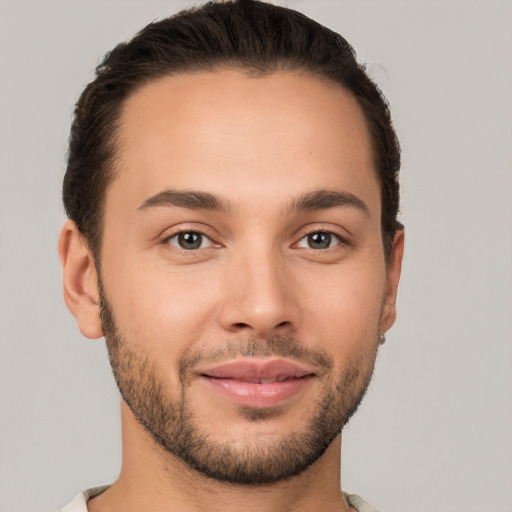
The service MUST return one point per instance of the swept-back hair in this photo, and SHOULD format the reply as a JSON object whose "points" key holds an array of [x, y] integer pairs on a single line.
{"points": [[249, 35]]}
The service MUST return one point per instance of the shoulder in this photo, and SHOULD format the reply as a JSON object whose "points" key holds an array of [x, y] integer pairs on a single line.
{"points": [[359, 504], [79, 504]]}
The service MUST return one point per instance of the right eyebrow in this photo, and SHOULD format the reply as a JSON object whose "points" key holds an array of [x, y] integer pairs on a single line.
{"points": [[190, 199], [325, 199]]}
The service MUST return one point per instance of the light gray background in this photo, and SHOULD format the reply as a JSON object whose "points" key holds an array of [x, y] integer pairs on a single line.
{"points": [[435, 432]]}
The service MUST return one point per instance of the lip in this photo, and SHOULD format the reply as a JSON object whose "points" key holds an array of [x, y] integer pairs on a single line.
{"points": [[254, 383]]}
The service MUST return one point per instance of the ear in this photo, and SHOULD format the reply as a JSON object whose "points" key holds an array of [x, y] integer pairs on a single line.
{"points": [[393, 277], [80, 281]]}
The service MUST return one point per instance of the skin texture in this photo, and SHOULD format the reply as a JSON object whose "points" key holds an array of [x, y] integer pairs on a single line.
{"points": [[265, 150]]}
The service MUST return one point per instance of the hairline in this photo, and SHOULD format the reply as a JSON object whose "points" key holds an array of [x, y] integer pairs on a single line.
{"points": [[283, 67]]}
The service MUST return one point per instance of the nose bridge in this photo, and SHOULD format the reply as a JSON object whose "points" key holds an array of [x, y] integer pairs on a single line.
{"points": [[258, 296]]}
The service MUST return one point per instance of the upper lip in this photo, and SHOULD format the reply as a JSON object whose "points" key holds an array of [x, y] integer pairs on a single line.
{"points": [[247, 370]]}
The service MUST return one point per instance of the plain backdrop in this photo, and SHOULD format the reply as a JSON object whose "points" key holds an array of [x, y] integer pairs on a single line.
{"points": [[435, 431]]}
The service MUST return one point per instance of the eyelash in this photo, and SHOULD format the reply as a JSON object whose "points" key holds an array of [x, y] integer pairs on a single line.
{"points": [[340, 241], [183, 232], [330, 235]]}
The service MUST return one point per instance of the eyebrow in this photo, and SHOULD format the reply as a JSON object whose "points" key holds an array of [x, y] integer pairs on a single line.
{"points": [[191, 199], [196, 200], [325, 199]]}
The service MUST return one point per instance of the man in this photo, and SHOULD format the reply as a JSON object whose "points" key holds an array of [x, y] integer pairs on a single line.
{"points": [[232, 193]]}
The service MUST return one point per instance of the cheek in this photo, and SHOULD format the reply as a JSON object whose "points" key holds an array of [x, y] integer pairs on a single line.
{"points": [[346, 310], [162, 309]]}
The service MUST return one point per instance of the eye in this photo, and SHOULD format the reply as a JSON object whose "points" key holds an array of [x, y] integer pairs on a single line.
{"points": [[189, 240], [319, 240]]}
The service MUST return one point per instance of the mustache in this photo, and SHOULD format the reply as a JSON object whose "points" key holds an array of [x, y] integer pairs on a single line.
{"points": [[275, 346]]}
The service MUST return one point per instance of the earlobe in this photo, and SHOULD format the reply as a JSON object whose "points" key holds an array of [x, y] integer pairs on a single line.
{"points": [[392, 279], [80, 281]]}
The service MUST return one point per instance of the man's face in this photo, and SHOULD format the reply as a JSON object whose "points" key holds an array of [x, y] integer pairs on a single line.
{"points": [[243, 276]]}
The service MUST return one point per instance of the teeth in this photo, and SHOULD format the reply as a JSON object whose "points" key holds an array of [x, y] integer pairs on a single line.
{"points": [[267, 381]]}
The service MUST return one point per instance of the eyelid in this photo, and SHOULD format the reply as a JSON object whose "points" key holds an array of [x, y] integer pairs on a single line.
{"points": [[174, 231], [339, 239], [341, 234], [205, 238]]}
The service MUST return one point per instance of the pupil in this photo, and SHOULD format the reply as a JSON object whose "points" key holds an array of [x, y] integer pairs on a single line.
{"points": [[190, 240], [319, 240]]}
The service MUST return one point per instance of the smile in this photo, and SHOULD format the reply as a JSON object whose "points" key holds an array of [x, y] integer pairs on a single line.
{"points": [[258, 384]]}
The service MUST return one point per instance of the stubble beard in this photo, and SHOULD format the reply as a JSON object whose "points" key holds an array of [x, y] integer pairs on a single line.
{"points": [[171, 422]]}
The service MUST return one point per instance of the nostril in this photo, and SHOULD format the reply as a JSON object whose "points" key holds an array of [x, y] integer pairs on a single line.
{"points": [[242, 325]]}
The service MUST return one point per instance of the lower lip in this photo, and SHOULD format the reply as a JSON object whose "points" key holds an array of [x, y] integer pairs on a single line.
{"points": [[251, 394]]}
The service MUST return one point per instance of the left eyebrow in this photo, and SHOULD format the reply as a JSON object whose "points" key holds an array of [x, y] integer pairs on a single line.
{"points": [[191, 199], [325, 199]]}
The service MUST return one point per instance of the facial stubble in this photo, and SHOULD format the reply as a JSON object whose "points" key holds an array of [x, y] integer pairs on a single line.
{"points": [[172, 424]]}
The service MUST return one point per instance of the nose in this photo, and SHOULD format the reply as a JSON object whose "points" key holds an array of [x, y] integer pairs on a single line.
{"points": [[259, 297]]}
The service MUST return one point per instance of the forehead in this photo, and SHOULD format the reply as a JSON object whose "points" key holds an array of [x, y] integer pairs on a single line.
{"points": [[230, 133]]}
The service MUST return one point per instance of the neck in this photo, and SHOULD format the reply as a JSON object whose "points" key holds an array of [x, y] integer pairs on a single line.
{"points": [[153, 480]]}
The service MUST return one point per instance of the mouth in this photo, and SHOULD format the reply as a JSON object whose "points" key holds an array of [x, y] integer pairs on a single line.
{"points": [[258, 383]]}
